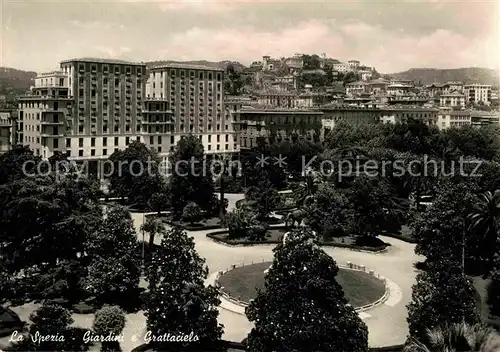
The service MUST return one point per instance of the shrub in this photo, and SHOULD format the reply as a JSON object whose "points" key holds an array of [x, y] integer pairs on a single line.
{"points": [[191, 212], [238, 222], [109, 320]]}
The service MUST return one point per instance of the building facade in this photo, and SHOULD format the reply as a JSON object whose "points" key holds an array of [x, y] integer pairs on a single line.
{"points": [[400, 114], [476, 93], [454, 99], [7, 130], [195, 95], [451, 118], [275, 125]]}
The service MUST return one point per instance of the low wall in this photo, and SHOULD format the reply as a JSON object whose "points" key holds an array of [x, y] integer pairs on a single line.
{"points": [[348, 266]]}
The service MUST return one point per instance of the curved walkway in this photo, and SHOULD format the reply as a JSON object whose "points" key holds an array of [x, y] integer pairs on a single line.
{"points": [[386, 323]]}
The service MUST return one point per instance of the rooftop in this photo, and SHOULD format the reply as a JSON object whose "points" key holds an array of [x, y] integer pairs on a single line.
{"points": [[453, 94], [187, 67], [103, 61], [358, 83]]}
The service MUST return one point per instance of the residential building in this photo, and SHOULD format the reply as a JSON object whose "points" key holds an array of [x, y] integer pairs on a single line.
{"points": [[395, 114], [356, 87], [277, 99], [378, 85], [452, 118], [46, 115], [269, 64], [408, 99], [295, 63], [195, 94], [353, 64], [453, 99], [476, 93], [365, 75], [334, 113], [341, 67], [277, 125], [455, 86], [7, 130], [484, 118], [399, 89]]}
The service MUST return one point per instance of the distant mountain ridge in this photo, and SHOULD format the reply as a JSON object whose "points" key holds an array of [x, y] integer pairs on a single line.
{"points": [[14, 81], [466, 75]]}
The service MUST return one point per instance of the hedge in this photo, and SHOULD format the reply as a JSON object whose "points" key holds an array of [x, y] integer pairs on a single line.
{"points": [[213, 235], [193, 228]]}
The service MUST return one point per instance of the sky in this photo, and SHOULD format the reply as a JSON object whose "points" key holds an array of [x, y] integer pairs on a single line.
{"points": [[392, 36]]}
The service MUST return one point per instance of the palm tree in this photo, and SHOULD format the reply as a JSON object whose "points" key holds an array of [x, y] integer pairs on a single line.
{"points": [[457, 338], [484, 219], [153, 227]]}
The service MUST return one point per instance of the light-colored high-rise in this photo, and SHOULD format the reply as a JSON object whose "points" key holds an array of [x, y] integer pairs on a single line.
{"points": [[196, 97]]}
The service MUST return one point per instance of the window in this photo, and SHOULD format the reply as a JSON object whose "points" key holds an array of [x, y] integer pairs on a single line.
{"points": [[80, 93], [68, 153], [151, 140], [159, 139], [209, 147], [127, 140], [227, 138], [116, 149], [104, 152], [80, 153], [138, 138], [80, 128], [80, 142], [92, 152], [116, 140], [218, 147], [209, 139], [92, 142], [172, 140], [218, 138], [56, 143], [68, 142], [159, 149], [227, 146]]}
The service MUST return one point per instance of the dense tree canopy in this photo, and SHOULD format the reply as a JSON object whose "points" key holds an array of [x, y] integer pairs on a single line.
{"points": [[191, 179], [179, 302], [302, 307], [135, 174], [442, 295]]}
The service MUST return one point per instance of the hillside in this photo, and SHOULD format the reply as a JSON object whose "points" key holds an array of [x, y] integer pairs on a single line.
{"points": [[466, 75], [219, 64], [14, 81]]}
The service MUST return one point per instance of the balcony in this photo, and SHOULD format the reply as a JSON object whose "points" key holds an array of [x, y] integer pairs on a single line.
{"points": [[51, 135], [52, 123]]}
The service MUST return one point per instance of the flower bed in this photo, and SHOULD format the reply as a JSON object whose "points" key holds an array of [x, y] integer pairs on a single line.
{"points": [[221, 236]]}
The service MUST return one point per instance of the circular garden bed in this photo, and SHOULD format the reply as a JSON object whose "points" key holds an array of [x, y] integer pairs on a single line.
{"points": [[244, 282]]}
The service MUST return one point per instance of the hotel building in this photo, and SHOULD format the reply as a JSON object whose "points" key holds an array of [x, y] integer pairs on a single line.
{"points": [[195, 95], [88, 109]]}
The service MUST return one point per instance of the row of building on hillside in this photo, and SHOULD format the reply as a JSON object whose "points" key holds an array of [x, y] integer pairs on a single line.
{"points": [[91, 108]]}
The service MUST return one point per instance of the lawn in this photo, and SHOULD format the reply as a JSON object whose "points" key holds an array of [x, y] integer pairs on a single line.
{"points": [[244, 282]]}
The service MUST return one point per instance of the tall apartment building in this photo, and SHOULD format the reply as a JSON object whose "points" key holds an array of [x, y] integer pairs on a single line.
{"points": [[108, 102], [195, 94], [89, 109], [44, 117], [476, 93]]}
